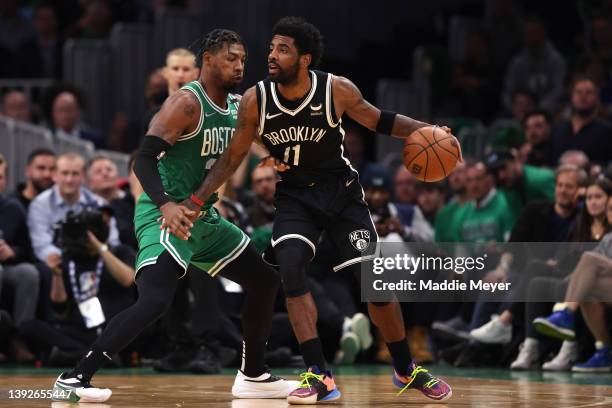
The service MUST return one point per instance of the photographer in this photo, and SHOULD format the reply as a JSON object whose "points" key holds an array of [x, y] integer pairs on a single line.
{"points": [[52, 205], [91, 285]]}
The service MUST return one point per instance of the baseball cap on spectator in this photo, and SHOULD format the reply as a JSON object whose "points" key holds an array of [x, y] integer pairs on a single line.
{"points": [[497, 159], [376, 177]]}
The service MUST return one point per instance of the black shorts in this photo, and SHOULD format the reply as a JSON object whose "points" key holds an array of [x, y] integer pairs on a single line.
{"points": [[336, 206]]}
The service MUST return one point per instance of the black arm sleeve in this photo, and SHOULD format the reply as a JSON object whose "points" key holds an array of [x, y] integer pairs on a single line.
{"points": [[151, 151]]}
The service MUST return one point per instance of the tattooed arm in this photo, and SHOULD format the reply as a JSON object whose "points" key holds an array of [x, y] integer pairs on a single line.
{"points": [[224, 167], [179, 114]]}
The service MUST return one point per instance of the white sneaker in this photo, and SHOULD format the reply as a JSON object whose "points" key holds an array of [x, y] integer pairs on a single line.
{"points": [[493, 332], [529, 353], [349, 348], [264, 386], [360, 325], [73, 389], [565, 358]]}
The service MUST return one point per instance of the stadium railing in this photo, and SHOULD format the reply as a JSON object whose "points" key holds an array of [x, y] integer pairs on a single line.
{"points": [[18, 139]]}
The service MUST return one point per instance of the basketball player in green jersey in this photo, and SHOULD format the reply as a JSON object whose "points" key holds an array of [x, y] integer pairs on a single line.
{"points": [[192, 129]]}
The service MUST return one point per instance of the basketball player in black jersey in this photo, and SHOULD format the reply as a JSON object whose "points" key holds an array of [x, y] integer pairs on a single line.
{"points": [[296, 114]]}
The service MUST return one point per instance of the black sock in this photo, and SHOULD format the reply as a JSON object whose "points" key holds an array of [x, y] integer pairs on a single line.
{"points": [[312, 353], [400, 353], [253, 361], [87, 367]]}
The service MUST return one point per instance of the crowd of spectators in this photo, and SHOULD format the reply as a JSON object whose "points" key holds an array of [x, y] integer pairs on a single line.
{"points": [[544, 177]]}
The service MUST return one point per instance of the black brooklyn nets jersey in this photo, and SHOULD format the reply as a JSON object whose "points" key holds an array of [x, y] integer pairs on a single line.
{"points": [[305, 134]]}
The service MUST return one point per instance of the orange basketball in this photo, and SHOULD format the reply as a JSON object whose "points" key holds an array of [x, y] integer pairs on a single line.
{"points": [[431, 154]]}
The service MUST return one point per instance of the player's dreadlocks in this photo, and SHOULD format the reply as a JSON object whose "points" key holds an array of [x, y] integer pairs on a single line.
{"points": [[214, 41]]}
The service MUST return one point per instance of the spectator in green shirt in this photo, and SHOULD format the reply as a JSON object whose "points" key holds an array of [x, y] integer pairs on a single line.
{"points": [[519, 183]]}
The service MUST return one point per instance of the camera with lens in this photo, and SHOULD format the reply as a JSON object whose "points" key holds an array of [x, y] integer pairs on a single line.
{"points": [[71, 234]]}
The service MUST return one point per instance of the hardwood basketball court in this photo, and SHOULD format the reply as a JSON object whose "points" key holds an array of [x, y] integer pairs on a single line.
{"points": [[361, 386]]}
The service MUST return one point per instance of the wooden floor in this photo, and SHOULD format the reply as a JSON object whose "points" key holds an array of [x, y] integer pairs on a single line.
{"points": [[179, 391]]}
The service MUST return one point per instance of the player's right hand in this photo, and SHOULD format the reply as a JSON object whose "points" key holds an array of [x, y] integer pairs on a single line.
{"points": [[176, 218]]}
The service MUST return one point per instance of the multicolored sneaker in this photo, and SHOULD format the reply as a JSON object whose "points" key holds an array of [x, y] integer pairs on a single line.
{"points": [[559, 325], [420, 379], [316, 385], [75, 389], [600, 362]]}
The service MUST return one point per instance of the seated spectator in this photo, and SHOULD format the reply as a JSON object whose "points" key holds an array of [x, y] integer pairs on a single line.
{"points": [[90, 273], [576, 158], [263, 181], [540, 221], [404, 186], [590, 290], [430, 199], [487, 217], [507, 131], [452, 209], [538, 67], [550, 277], [16, 273], [156, 92], [16, 105], [103, 177], [39, 173], [66, 119], [584, 131], [519, 183], [52, 205], [536, 151], [394, 221], [180, 69]]}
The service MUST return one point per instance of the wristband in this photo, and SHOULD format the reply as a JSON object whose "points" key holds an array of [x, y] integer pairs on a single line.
{"points": [[197, 201], [385, 122], [103, 248]]}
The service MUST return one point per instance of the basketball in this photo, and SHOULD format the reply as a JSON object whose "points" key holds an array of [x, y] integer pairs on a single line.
{"points": [[431, 154]]}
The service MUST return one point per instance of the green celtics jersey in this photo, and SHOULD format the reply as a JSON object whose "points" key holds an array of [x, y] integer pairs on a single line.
{"points": [[186, 164]]}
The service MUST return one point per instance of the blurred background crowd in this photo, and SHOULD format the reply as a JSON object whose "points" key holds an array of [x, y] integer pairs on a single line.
{"points": [[528, 96]]}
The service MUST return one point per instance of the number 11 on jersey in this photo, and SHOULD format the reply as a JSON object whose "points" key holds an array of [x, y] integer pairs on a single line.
{"points": [[296, 154]]}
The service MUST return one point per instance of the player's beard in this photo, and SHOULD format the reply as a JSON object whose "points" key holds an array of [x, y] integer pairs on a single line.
{"points": [[231, 87], [288, 76]]}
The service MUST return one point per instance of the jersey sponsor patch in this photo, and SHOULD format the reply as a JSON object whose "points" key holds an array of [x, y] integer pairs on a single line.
{"points": [[360, 239]]}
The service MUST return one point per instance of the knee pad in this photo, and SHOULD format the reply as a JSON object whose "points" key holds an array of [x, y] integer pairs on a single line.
{"points": [[293, 257]]}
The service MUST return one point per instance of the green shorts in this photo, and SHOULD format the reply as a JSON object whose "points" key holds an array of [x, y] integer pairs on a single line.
{"points": [[214, 241]]}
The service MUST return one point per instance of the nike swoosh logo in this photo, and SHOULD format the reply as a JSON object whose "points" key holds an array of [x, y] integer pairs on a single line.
{"points": [[316, 108], [268, 116], [348, 183], [209, 114]]}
